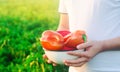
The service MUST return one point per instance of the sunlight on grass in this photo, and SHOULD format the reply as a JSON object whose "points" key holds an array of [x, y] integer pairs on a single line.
{"points": [[21, 25], [29, 8]]}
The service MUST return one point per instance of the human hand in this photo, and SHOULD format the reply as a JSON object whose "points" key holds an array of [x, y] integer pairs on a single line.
{"points": [[49, 61], [92, 48]]}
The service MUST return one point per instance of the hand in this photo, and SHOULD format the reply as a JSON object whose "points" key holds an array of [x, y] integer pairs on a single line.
{"points": [[92, 48], [49, 61]]}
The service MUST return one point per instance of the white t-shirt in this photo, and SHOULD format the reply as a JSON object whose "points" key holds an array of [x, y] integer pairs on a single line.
{"points": [[101, 20]]}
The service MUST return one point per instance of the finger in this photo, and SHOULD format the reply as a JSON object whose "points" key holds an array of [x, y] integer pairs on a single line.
{"points": [[54, 64], [49, 61], [80, 54], [84, 45], [74, 53], [45, 57], [76, 61], [86, 54], [76, 65]]}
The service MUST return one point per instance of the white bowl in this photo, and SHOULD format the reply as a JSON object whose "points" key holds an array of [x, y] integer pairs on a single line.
{"points": [[59, 56]]}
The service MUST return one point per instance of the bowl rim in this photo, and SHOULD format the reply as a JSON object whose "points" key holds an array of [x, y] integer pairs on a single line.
{"points": [[59, 50]]}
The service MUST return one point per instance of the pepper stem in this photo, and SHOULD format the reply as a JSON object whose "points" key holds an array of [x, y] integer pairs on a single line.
{"points": [[84, 38]]}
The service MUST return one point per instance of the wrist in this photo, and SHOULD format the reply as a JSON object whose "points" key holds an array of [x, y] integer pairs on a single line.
{"points": [[105, 45], [62, 29], [111, 44]]}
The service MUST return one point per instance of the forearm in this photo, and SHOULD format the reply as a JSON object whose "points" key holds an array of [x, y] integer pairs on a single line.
{"points": [[62, 27], [64, 22], [112, 44]]}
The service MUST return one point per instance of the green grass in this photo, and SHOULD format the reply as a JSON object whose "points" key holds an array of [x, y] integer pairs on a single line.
{"points": [[21, 25]]}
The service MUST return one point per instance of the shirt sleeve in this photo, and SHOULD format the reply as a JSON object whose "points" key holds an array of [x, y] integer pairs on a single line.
{"points": [[62, 7]]}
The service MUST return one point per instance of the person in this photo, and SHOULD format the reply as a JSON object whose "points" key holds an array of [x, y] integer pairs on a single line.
{"points": [[101, 21]]}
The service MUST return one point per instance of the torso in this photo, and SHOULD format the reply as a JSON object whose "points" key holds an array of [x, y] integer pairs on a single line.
{"points": [[101, 20]]}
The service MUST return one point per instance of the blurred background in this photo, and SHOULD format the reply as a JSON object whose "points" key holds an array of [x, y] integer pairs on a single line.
{"points": [[21, 25]]}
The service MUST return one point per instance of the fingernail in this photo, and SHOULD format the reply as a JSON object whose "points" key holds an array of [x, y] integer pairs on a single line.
{"points": [[54, 64], [49, 61], [78, 47], [69, 52], [66, 64], [65, 61]]}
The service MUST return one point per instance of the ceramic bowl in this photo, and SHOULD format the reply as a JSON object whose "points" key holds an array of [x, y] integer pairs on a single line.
{"points": [[59, 56]]}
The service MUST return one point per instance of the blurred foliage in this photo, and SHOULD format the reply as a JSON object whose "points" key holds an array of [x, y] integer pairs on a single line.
{"points": [[21, 25]]}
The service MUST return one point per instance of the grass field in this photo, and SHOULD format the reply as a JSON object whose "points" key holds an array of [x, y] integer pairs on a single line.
{"points": [[21, 25]]}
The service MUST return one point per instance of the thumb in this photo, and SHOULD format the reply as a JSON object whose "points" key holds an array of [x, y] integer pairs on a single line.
{"points": [[84, 45]]}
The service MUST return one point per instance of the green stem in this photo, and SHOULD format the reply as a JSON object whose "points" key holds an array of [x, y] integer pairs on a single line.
{"points": [[84, 38]]}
